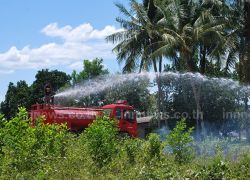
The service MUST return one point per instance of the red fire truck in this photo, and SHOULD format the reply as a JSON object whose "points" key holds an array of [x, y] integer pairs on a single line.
{"points": [[77, 119]]}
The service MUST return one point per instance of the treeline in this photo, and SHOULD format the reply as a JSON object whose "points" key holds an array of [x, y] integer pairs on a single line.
{"points": [[23, 95]]}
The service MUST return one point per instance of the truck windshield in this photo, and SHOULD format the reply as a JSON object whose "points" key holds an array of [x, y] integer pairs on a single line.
{"points": [[107, 112], [129, 115]]}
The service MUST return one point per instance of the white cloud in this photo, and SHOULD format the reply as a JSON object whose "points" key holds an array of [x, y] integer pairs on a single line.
{"points": [[81, 42], [84, 32]]}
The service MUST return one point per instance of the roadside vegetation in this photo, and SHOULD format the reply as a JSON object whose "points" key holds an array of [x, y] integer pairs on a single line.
{"points": [[51, 152]]}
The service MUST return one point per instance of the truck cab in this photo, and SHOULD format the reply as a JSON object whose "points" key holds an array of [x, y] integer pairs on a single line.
{"points": [[124, 114]]}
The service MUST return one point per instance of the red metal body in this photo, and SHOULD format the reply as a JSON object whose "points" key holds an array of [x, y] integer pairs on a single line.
{"points": [[78, 119]]}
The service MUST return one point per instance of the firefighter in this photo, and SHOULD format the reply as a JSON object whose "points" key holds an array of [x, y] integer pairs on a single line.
{"points": [[49, 94]]}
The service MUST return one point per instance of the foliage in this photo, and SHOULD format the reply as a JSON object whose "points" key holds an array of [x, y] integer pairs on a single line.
{"points": [[57, 79], [22, 95], [132, 148], [16, 96], [217, 170], [214, 100], [194, 35], [51, 152], [91, 69], [2, 120], [25, 149], [179, 141], [139, 32], [101, 140], [153, 147]]}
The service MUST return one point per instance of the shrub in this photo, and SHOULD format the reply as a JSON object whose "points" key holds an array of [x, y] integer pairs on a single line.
{"points": [[132, 147], [179, 141], [153, 147], [26, 149], [101, 140], [242, 168], [219, 169]]}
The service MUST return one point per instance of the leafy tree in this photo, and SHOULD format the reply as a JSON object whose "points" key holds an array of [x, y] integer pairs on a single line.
{"points": [[91, 69], [56, 78], [179, 140], [101, 139], [17, 96], [214, 101], [190, 27], [135, 43], [2, 120], [153, 147]]}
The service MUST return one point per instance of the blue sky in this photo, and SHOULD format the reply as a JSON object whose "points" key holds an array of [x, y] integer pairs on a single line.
{"points": [[53, 34]]}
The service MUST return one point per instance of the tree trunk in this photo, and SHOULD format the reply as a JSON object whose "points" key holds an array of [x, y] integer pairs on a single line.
{"points": [[155, 66], [203, 60], [190, 62]]}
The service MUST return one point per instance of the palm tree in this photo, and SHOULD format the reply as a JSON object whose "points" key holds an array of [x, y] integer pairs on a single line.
{"points": [[138, 33], [201, 33], [190, 28]]}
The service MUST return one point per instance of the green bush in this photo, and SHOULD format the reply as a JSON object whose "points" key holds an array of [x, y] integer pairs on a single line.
{"points": [[219, 169], [179, 141], [242, 167], [101, 140], [153, 147], [25, 149], [132, 148]]}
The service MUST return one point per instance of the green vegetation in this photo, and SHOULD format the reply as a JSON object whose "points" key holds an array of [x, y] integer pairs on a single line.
{"points": [[197, 36], [209, 37], [22, 95], [25, 149], [101, 140], [179, 141], [51, 152], [91, 69]]}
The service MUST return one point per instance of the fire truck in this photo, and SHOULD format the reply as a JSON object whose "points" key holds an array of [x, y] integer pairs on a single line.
{"points": [[79, 118]]}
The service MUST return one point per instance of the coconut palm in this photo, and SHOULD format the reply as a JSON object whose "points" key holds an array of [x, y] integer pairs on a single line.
{"points": [[201, 34], [137, 34]]}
